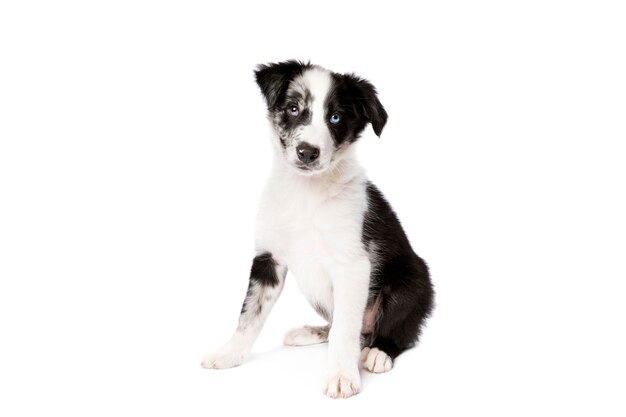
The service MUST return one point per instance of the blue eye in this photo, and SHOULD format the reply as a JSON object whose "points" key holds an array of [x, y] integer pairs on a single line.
{"points": [[294, 111], [335, 118]]}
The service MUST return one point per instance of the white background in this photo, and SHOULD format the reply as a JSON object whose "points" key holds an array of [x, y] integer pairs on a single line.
{"points": [[133, 149]]}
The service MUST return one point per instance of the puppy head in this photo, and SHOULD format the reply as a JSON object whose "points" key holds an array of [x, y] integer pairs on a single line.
{"points": [[317, 114]]}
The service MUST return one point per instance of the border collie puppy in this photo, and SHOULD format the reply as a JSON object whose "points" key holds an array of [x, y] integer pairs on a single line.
{"points": [[322, 219]]}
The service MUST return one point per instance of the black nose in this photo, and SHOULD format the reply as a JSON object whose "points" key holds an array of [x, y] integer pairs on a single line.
{"points": [[307, 153]]}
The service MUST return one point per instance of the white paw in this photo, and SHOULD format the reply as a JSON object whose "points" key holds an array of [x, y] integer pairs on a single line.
{"points": [[375, 360], [307, 335], [342, 385], [222, 360]]}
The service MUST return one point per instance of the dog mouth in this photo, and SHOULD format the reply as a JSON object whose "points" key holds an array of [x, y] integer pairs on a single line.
{"points": [[308, 169]]}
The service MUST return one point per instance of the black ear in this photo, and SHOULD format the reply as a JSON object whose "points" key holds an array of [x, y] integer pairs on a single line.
{"points": [[273, 79], [367, 102]]}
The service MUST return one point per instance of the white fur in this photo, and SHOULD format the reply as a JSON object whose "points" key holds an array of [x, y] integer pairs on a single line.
{"points": [[375, 360], [231, 354], [313, 225], [317, 133]]}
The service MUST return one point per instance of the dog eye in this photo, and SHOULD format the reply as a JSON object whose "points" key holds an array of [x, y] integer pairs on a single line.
{"points": [[335, 118], [294, 111]]}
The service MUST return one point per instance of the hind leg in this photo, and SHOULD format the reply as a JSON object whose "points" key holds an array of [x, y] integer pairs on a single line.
{"points": [[397, 330], [307, 335], [398, 325]]}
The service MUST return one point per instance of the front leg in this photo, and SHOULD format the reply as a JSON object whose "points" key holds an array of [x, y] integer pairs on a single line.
{"points": [[267, 278], [350, 292]]}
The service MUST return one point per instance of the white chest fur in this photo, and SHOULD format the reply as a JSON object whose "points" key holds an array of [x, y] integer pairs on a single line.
{"points": [[313, 225]]}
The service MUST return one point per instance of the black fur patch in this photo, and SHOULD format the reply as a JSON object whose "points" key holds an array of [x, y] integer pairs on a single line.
{"points": [[273, 79], [263, 270], [356, 101], [401, 278]]}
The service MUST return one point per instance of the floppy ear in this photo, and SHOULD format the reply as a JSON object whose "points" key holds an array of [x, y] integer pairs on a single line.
{"points": [[273, 79], [367, 102]]}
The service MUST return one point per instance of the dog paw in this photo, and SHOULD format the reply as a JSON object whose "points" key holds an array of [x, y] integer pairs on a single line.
{"points": [[307, 335], [342, 385], [375, 360], [222, 360]]}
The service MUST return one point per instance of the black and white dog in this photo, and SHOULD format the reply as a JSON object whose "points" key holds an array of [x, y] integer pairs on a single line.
{"points": [[321, 218]]}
